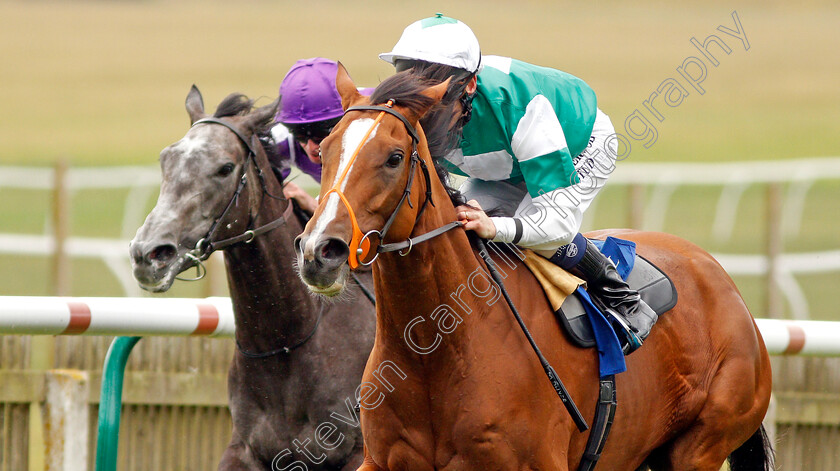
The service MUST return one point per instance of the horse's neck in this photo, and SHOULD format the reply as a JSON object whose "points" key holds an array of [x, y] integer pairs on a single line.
{"points": [[272, 307], [431, 279]]}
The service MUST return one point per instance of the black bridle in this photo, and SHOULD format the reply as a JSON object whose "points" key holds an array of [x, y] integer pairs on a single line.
{"points": [[415, 161], [558, 386], [206, 245]]}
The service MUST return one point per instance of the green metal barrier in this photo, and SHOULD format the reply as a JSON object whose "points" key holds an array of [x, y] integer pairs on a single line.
{"points": [[110, 402]]}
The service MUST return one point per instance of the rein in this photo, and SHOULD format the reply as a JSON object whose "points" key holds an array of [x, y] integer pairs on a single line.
{"points": [[206, 245], [360, 243], [283, 350]]}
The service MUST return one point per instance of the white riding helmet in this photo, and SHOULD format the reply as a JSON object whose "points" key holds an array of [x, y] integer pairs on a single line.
{"points": [[439, 40]]}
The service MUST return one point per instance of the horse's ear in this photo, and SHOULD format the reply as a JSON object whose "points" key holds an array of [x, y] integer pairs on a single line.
{"points": [[195, 104], [346, 88], [262, 115], [436, 92]]}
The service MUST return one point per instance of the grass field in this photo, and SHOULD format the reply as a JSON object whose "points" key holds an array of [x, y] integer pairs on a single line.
{"points": [[103, 83]]}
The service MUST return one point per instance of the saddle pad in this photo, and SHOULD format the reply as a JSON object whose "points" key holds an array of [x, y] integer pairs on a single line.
{"points": [[556, 282], [654, 286]]}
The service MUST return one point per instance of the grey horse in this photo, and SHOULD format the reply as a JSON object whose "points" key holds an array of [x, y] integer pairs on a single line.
{"points": [[293, 381]]}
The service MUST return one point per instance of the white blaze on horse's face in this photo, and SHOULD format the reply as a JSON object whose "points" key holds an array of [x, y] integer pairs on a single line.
{"points": [[349, 143]]}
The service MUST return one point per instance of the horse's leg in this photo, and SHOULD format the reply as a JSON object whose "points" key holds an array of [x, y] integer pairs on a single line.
{"points": [[723, 424], [236, 457], [368, 464], [356, 460]]}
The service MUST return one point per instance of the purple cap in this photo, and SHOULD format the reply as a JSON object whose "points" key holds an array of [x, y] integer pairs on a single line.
{"points": [[308, 92]]}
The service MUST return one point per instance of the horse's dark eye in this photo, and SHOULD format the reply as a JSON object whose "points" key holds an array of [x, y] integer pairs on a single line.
{"points": [[394, 160], [225, 170]]}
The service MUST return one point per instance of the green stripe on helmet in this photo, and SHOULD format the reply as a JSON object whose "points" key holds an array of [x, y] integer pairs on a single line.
{"points": [[438, 19]]}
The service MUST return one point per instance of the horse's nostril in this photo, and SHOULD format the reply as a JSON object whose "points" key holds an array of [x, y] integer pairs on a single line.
{"points": [[135, 253], [163, 253], [299, 244], [334, 250]]}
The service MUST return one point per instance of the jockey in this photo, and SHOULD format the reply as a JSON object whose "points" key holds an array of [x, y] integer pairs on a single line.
{"points": [[309, 108], [535, 149]]}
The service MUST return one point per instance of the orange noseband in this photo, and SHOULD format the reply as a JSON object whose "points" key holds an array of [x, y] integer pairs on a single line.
{"points": [[359, 243]]}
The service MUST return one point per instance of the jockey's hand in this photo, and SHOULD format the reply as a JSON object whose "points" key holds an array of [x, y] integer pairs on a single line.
{"points": [[304, 200], [475, 219]]}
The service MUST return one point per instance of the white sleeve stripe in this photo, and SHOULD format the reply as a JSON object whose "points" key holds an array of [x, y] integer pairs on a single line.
{"points": [[550, 221], [490, 166], [505, 229], [538, 132], [499, 63]]}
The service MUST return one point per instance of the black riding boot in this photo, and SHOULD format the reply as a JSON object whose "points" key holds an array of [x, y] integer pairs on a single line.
{"points": [[614, 296]]}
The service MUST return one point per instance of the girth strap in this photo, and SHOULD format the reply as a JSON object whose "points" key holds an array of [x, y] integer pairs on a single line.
{"points": [[604, 414]]}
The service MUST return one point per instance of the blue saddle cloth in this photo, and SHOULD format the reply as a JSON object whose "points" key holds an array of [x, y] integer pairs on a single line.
{"points": [[610, 356]]}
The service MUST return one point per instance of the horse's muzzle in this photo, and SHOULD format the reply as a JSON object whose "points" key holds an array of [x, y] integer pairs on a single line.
{"points": [[322, 263], [154, 264]]}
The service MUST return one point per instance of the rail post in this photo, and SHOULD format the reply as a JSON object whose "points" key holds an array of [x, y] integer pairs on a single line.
{"points": [[66, 420], [775, 243], [110, 402], [61, 225], [636, 210]]}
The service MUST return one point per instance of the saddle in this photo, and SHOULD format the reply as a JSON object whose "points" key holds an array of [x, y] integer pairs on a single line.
{"points": [[654, 286]]}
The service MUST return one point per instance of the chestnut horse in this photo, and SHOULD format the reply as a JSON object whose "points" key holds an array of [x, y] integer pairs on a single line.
{"points": [[452, 384], [287, 406]]}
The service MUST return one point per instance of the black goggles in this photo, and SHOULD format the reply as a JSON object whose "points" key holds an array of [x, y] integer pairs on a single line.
{"points": [[316, 132]]}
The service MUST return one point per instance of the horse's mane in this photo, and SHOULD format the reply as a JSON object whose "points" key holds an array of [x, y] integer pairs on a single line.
{"points": [[237, 104], [405, 88]]}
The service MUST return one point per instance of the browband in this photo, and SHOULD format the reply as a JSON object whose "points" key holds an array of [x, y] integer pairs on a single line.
{"points": [[231, 127], [411, 131]]}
